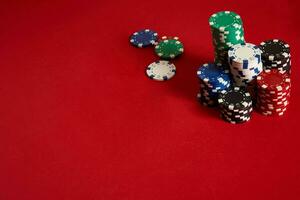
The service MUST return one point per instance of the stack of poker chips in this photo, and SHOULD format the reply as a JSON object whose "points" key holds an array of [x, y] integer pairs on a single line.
{"points": [[213, 79], [276, 55], [245, 63], [235, 105], [274, 88], [227, 30], [166, 48]]}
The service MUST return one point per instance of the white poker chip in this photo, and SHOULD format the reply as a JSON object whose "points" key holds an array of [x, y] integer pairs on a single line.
{"points": [[241, 53], [161, 70]]}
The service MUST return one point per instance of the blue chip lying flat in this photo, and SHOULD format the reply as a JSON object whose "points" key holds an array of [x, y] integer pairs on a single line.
{"points": [[143, 38]]}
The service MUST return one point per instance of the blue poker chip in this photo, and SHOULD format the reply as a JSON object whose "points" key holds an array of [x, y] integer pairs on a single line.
{"points": [[143, 38], [214, 75]]}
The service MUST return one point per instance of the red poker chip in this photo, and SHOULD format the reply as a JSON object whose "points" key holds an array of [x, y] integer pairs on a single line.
{"points": [[271, 111], [275, 110], [277, 98], [271, 108], [272, 114], [263, 96], [273, 80], [274, 95], [273, 98], [280, 102], [274, 92], [274, 103]]}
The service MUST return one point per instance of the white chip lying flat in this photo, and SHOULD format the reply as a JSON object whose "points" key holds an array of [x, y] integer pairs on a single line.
{"points": [[161, 70]]}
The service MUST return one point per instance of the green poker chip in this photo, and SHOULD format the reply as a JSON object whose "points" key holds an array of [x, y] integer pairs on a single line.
{"points": [[233, 37], [226, 30], [224, 20], [169, 48]]}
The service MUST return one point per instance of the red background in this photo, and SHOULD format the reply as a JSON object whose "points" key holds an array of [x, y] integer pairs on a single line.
{"points": [[80, 120]]}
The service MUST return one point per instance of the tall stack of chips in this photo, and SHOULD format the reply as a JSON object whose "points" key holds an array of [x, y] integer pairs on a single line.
{"points": [[273, 95], [276, 55], [235, 105], [259, 74], [227, 30], [213, 79], [245, 63]]}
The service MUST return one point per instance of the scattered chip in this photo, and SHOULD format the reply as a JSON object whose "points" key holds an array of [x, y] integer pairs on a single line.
{"points": [[161, 70], [169, 48], [143, 38]]}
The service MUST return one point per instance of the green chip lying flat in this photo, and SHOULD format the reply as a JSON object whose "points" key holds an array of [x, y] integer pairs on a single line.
{"points": [[169, 48]]}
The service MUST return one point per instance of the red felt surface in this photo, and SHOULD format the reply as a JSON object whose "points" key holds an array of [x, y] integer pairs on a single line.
{"points": [[80, 120]]}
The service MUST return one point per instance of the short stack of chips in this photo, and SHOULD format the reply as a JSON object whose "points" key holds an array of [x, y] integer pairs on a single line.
{"points": [[276, 55], [227, 30], [245, 63], [235, 105], [274, 88], [213, 79]]}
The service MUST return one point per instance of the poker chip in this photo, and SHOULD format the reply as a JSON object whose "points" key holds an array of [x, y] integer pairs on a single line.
{"points": [[161, 70], [206, 101], [244, 54], [235, 98], [235, 120], [276, 55], [273, 95], [243, 76], [227, 30], [224, 20], [275, 49], [235, 105], [169, 48], [143, 38], [245, 63], [213, 79], [273, 80], [214, 76]]}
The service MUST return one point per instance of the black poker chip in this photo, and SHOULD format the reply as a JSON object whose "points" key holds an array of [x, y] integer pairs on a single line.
{"points": [[236, 117], [277, 64], [235, 105], [206, 100], [235, 98], [285, 67], [274, 49], [235, 120]]}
